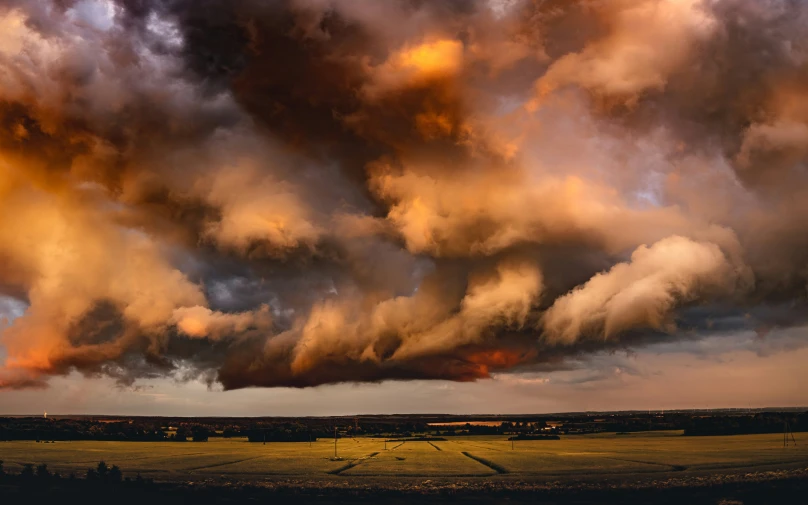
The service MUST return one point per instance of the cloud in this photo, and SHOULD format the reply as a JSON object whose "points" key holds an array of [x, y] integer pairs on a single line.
{"points": [[643, 43], [256, 210], [308, 192], [201, 322], [644, 292]]}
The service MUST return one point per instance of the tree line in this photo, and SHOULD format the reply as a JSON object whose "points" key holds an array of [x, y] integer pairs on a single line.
{"points": [[304, 429], [40, 475], [747, 425]]}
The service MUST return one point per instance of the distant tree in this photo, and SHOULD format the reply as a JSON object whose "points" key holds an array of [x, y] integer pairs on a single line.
{"points": [[92, 475], [182, 434], [27, 471], [42, 471], [102, 470], [2, 471], [200, 434], [115, 474]]}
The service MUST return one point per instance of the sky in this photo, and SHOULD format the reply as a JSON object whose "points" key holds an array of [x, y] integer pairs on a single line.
{"points": [[322, 207]]}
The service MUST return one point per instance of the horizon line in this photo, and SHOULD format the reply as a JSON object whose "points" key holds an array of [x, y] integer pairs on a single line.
{"points": [[424, 414]]}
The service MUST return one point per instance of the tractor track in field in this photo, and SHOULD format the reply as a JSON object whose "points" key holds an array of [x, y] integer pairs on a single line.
{"points": [[674, 468], [490, 464], [399, 445], [214, 465], [435, 446], [138, 458], [353, 463]]}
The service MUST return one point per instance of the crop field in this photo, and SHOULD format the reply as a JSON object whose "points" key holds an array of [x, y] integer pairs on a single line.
{"points": [[572, 457]]}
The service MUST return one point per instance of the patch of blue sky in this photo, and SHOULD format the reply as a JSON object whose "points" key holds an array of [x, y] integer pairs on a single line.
{"points": [[97, 14]]}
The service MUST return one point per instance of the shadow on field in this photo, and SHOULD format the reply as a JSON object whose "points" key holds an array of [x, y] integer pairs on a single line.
{"points": [[781, 492], [105, 484]]}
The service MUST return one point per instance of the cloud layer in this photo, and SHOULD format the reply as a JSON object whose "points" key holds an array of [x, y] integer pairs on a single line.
{"points": [[304, 192]]}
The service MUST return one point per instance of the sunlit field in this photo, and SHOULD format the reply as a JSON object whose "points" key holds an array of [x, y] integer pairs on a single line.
{"points": [[595, 456]]}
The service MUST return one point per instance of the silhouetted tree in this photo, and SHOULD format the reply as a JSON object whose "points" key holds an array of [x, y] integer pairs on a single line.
{"points": [[27, 472], [115, 475], [2, 471], [182, 434], [102, 470], [92, 475], [200, 434], [42, 471]]}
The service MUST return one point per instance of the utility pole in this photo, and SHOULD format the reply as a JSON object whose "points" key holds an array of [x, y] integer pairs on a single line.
{"points": [[786, 432]]}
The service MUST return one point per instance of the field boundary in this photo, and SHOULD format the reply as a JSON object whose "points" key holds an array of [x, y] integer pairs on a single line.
{"points": [[465, 442], [490, 464], [95, 460]]}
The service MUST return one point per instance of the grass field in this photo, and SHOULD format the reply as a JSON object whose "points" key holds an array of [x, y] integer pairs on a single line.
{"points": [[576, 457]]}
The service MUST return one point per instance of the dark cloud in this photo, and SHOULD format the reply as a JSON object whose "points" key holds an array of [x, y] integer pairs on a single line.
{"points": [[306, 192]]}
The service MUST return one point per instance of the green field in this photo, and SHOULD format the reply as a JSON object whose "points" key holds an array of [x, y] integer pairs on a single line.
{"points": [[573, 457]]}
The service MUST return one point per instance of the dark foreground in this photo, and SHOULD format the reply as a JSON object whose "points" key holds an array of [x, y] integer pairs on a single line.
{"points": [[780, 488]]}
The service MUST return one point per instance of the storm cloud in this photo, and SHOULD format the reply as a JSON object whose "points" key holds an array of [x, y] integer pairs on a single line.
{"points": [[306, 192]]}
